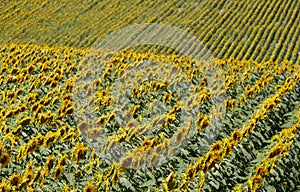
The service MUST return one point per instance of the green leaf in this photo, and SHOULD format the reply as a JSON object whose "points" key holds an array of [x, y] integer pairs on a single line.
{"points": [[71, 178], [245, 152], [23, 134], [148, 183], [127, 184], [214, 184], [270, 188], [259, 159], [150, 174]]}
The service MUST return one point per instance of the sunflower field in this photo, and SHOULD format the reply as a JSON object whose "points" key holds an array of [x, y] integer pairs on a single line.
{"points": [[68, 121]]}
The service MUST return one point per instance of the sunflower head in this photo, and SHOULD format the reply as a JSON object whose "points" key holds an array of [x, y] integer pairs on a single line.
{"points": [[50, 163], [50, 139], [3, 186], [83, 126], [25, 121], [4, 159], [63, 159], [37, 174], [58, 171], [127, 161], [15, 179], [154, 159], [77, 173], [89, 188]]}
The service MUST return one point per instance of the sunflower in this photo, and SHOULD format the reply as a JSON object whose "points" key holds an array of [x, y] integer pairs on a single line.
{"points": [[228, 148], [19, 91], [181, 135], [77, 173], [38, 110], [40, 139], [4, 159], [159, 148], [199, 165], [25, 121], [66, 188], [89, 188], [27, 178], [67, 137], [46, 101], [55, 99], [111, 171], [21, 107], [190, 172], [10, 94], [15, 179], [276, 151], [58, 171], [51, 138], [10, 114], [16, 130], [261, 170], [53, 83], [154, 159], [63, 159], [37, 174], [49, 163], [62, 130], [100, 177], [69, 110], [29, 167], [32, 146], [255, 182], [3, 186], [21, 152], [83, 126], [217, 146], [126, 162], [135, 110], [236, 136], [169, 182], [201, 122], [169, 119], [42, 175], [32, 98], [79, 151]]}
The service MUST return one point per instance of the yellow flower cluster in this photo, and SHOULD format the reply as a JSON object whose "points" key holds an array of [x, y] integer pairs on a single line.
{"points": [[281, 144], [37, 108], [221, 149]]}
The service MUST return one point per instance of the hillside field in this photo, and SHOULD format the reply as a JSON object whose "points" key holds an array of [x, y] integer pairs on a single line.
{"points": [[150, 95]]}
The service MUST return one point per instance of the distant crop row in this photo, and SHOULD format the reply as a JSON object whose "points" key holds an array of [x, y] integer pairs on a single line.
{"points": [[261, 31]]}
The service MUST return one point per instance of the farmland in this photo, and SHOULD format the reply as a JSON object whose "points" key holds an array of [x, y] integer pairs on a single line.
{"points": [[220, 115]]}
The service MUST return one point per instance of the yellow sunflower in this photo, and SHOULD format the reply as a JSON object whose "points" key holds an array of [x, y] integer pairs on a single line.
{"points": [[89, 188], [4, 159], [15, 179], [58, 171]]}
